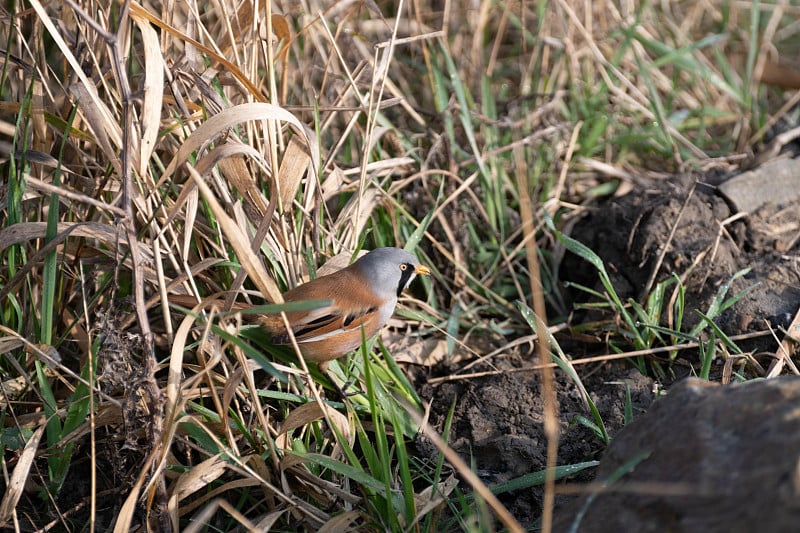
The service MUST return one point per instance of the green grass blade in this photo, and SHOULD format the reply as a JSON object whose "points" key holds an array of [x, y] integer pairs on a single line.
{"points": [[535, 479], [563, 364]]}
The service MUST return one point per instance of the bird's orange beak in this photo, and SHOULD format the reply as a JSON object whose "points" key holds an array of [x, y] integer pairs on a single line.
{"points": [[422, 270]]}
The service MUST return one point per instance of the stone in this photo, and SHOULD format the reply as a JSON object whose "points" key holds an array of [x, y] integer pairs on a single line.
{"points": [[710, 458]]}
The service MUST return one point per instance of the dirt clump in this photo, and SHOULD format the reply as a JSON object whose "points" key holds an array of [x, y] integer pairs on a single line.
{"points": [[706, 245], [704, 458]]}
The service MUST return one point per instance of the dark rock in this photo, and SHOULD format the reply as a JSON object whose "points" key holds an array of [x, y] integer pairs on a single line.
{"points": [[718, 458]]}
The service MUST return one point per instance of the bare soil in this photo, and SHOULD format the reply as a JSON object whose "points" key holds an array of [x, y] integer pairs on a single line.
{"points": [[498, 423]]}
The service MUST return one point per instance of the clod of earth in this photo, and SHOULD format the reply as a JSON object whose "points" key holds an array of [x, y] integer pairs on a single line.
{"points": [[704, 458]]}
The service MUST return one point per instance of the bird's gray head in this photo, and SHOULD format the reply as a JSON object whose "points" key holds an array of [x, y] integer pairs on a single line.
{"points": [[389, 270]]}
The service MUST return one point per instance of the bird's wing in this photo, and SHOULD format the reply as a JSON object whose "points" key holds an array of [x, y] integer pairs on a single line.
{"points": [[330, 324], [351, 308]]}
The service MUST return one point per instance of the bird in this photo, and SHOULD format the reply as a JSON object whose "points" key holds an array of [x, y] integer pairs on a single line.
{"points": [[362, 297], [358, 301]]}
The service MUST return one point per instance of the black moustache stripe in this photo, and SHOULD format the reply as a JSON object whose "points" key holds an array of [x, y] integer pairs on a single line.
{"points": [[405, 278]]}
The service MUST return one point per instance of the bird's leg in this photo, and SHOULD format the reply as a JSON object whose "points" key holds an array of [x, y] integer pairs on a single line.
{"points": [[342, 394], [323, 367], [349, 383]]}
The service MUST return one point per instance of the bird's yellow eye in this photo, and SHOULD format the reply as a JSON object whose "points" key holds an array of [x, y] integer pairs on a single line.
{"points": [[404, 267]]}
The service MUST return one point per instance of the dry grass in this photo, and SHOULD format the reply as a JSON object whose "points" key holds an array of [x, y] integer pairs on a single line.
{"points": [[174, 148]]}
